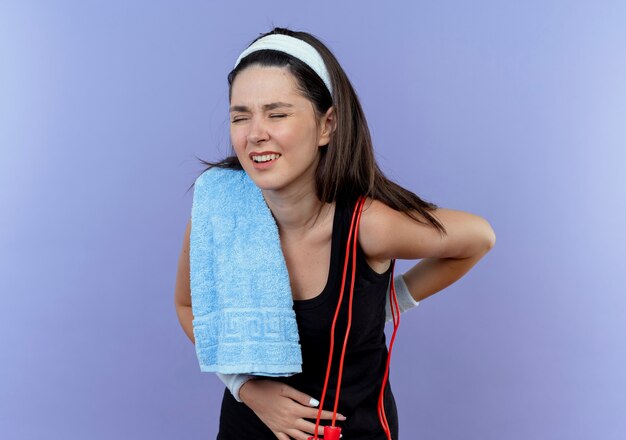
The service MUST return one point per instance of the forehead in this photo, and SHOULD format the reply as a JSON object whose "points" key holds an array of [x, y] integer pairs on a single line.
{"points": [[261, 83]]}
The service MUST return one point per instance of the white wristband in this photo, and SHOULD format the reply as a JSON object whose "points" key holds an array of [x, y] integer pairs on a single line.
{"points": [[405, 300]]}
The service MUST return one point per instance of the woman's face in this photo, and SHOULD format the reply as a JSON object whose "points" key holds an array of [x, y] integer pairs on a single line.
{"points": [[273, 129]]}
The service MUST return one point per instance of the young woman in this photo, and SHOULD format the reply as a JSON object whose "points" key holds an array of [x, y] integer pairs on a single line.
{"points": [[297, 129]]}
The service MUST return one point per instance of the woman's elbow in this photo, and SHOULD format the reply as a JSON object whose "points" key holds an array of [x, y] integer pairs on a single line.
{"points": [[489, 236]]}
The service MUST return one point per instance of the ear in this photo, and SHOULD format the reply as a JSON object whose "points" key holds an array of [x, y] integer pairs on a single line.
{"points": [[328, 126]]}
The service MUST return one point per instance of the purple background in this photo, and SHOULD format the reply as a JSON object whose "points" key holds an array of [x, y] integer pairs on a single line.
{"points": [[515, 112]]}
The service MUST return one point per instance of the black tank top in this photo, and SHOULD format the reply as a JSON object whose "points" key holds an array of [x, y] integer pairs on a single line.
{"points": [[366, 352]]}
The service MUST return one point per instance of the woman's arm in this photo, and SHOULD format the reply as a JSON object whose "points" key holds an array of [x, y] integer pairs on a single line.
{"points": [[385, 233], [182, 290]]}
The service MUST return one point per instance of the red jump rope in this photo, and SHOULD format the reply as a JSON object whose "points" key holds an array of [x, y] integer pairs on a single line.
{"points": [[333, 432]]}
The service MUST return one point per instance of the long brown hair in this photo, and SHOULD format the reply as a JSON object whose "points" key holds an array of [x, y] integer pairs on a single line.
{"points": [[347, 166]]}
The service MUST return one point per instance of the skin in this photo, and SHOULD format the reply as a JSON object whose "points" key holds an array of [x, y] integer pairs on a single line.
{"points": [[288, 186]]}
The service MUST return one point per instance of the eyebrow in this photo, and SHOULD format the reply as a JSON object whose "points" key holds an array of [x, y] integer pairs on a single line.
{"points": [[271, 106]]}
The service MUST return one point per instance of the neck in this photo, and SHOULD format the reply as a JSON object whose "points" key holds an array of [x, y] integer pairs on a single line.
{"points": [[297, 211]]}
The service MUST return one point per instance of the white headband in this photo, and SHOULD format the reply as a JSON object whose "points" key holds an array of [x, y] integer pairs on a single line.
{"points": [[295, 47]]}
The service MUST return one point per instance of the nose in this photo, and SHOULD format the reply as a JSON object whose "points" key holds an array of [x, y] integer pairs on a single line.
{"points": [[258, 132]]}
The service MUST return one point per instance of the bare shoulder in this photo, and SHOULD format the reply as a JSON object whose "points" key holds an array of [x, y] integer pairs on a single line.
{"points": [[387, 233], [375, 220]]}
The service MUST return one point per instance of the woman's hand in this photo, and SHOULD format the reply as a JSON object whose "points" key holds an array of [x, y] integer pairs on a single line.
{"points": [[283, 408]]}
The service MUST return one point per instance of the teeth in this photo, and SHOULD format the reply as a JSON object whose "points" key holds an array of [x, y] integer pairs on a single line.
{"points": [[265, 157]]}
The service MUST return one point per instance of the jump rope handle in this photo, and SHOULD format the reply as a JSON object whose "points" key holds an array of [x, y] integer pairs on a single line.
{"points": [[333, 432]]}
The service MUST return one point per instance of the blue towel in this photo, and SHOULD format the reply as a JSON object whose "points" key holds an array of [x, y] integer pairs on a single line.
{"points": [[242, 305]]}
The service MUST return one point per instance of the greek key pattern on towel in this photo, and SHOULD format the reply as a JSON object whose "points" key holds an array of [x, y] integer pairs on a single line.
{"points": [[242, 333]]}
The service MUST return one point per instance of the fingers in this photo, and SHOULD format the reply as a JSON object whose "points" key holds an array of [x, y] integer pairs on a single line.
{"points": [[299, 396], [311, 413], [306, 400], [304, 429], [310, 427]]}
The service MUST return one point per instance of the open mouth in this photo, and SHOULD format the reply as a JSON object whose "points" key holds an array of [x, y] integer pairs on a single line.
{"points": [[265, 158]]}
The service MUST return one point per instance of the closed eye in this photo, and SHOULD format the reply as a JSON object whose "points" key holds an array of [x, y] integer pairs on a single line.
{"points": [[277, 115]]}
